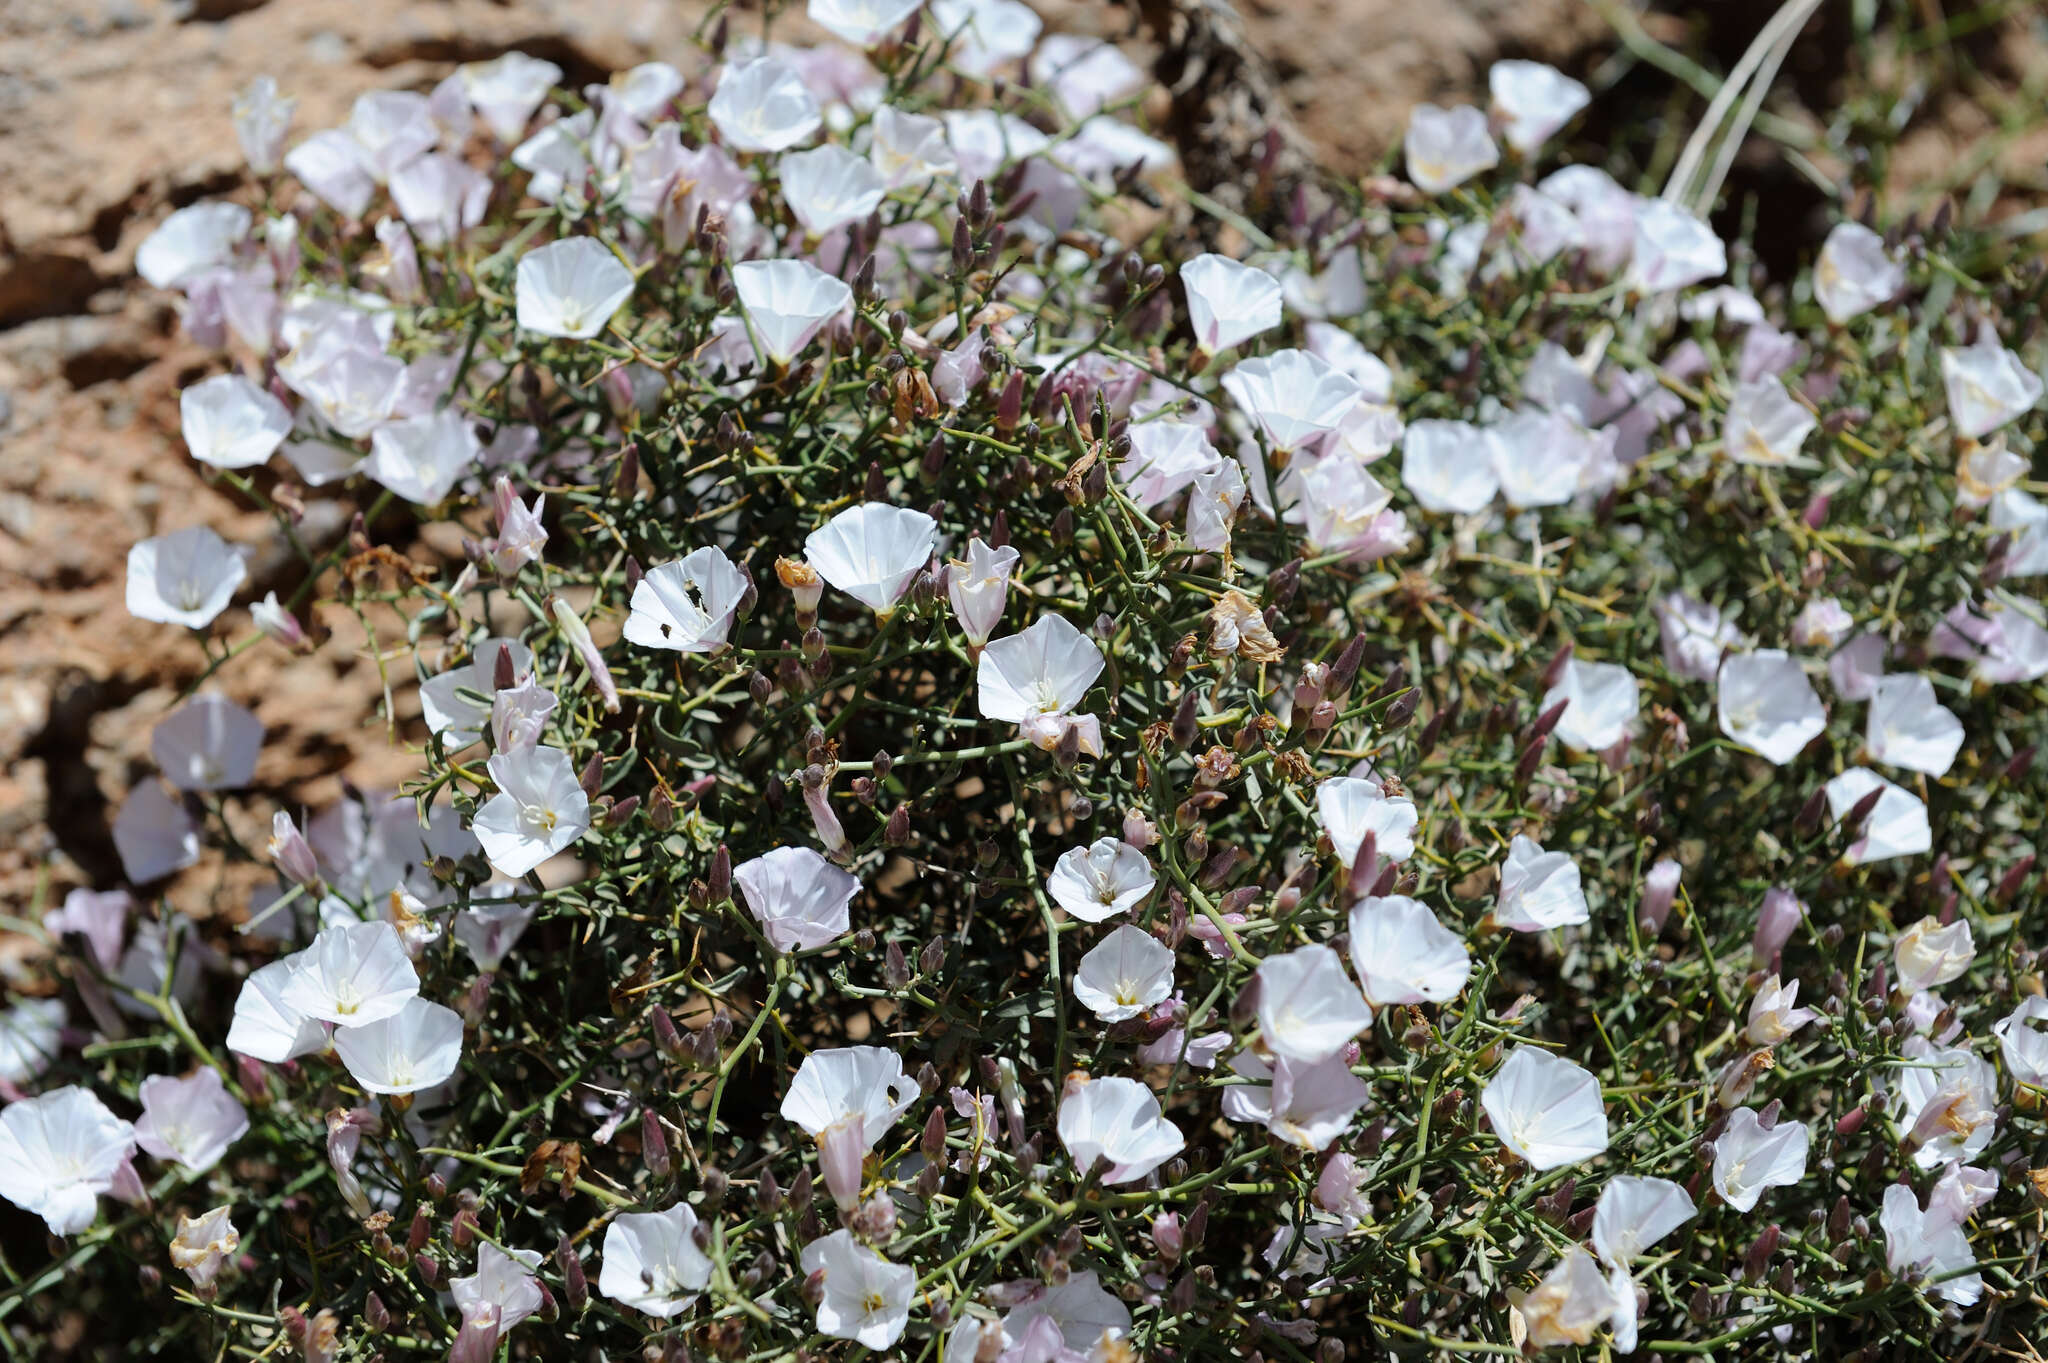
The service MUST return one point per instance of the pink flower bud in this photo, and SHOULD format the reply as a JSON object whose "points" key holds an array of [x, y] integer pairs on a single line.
{"points": [[1660, 887], [578, 635], [1775, 921], [291, 853]]}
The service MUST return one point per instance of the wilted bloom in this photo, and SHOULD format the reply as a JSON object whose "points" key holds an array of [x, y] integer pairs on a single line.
{"points": [[1749, 1159], [1036, 677], [353, 973], [1213, 502], [204, 1244], [763, 105], [828, 187], [1229, 302], [798, 897], [208, 743], [1124, 974], [413, 1049], [265, 1025], [1909, 728], [58, 1152], [540, 808], [1854, 273], [687, 605], [1349, 807], [1308, 1007], [1988, 386], [1693, 636], [191, 1120], [1448, 466], [231, 423], [1772, 1015], [2024, 1042], [1117, 1120], [1573, 1300], [787, 302], [191, 242], [1896, 827], [1601, 704], [1765, 425], [1101, 880], [461, 720], [184, 578], [153, 834], [1946, 1099], [1984, 472], [1932, 953], [1928, 1244], [1446, 147], [1308, 1105], [847, 1098], [1295, 396], [978, 586], [873, 552], [570, 288], [506, 91], [1673, 248], [1545, 1109], [421, 458], [867, 1298], [270, 616], [1534, 101], [1539, 890], [1403, 954], [1764, 702], [652, 1263]]}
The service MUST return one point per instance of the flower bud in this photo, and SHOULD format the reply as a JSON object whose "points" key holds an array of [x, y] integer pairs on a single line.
{"points": [[1660, 888], [376, 1316], [653, 1144], [575, 1287], [291, 853], [895, 969], [896, 832]]}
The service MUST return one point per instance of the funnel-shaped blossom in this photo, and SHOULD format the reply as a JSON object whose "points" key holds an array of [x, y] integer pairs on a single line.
{"points": [[488, 931], [1545, 1109], [441, 197], [763, 105], [1766, 425], [979, 586], [798, 897], [828, 187], [1124, 974], [268, 1027], [506, 91], [1928, 1244], [1295, 396], [1349, 807], [1774, 1015], [1606, 213], [787, 302], [652, 1263], [1854, 273], [866, 1298], [873, 552], [58, 1152], [1533, 101], [1101, 880], [986, 33], [1308, 1105], [1909, 728], [420, 458], [1309, 1009], [687, 605], [1449, 466], [1673, 248], [208, 743], [571, 288], [1749, 1159], [1764, 702], [184, 578], [1117, 1120], [415, 1048], [2024, 1042], [847, 1098], [502, 1292], [1404, 955], [1931, 953], [1166, 457], [1446, 147], [204, 1244], [909, 148], [1601, 704], [1988, 386], [153, 834], [862, 23], [1081, 1309], [1539, 890], [1541, 458], [458, 719], [191, 242], [1946, 1100], [231, 423], [1035, 679], [1634, 1213], [1895, 827], [540, 808], [191, 1120], [1229, 302], [353, 973]]}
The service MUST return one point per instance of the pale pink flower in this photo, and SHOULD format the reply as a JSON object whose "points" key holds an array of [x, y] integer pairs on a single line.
{"points": [[798, 897], [1309, 1009], [192, 1120]]}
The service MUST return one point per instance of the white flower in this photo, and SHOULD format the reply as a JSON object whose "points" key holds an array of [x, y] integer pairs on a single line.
{"points": [[797, 896], [978, 586], [506, 91], [1305, 1105], [352, 974], [1446, 147], [31, 1031], [1931, 953], [1601, 704], [1212, 505], [1101, 880], [58, 1153], [1295, 396], [1896, 827], [873, 552], [1539, 458], [459, 720], [231, 423], [1404, 955], [1228, 302], [1854, 273], [1773, 1016], [687, 605], [389, 128], [1764, 702], [1035, 678], [1749, 1159], [1309, 1009], [1926, 1244], [203, 1244], [209, 743], [2024, 1042], [336, 168], [1166, 456], [1634, 1213], [1606, 213], [1909, 728], [1821, 623], [909, 148], [1124, 974], [184, 578], [1693, 636], [1449, 466], [570, 288], [829, 187], [1765, 425], [153, 834], [1082, 1310], [440, 197], [1349, 807], [265, 1025], [191, 242], [262, 118], [1673, 248], [1545, 1109], [191, 1120], [2026, 519], [1117, 1120], [1573, 1300], [864, 23], [1539, 890], [488, 931], [1988, 386], [1947, 1102], [1535, 101], [652, 1263], [986, 33], [540, 808], [502, 1292], [1084, 73], [763, 105], [415, 1048], [867, 1298], [847, 1098], [420, 458], [787, 301]]}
